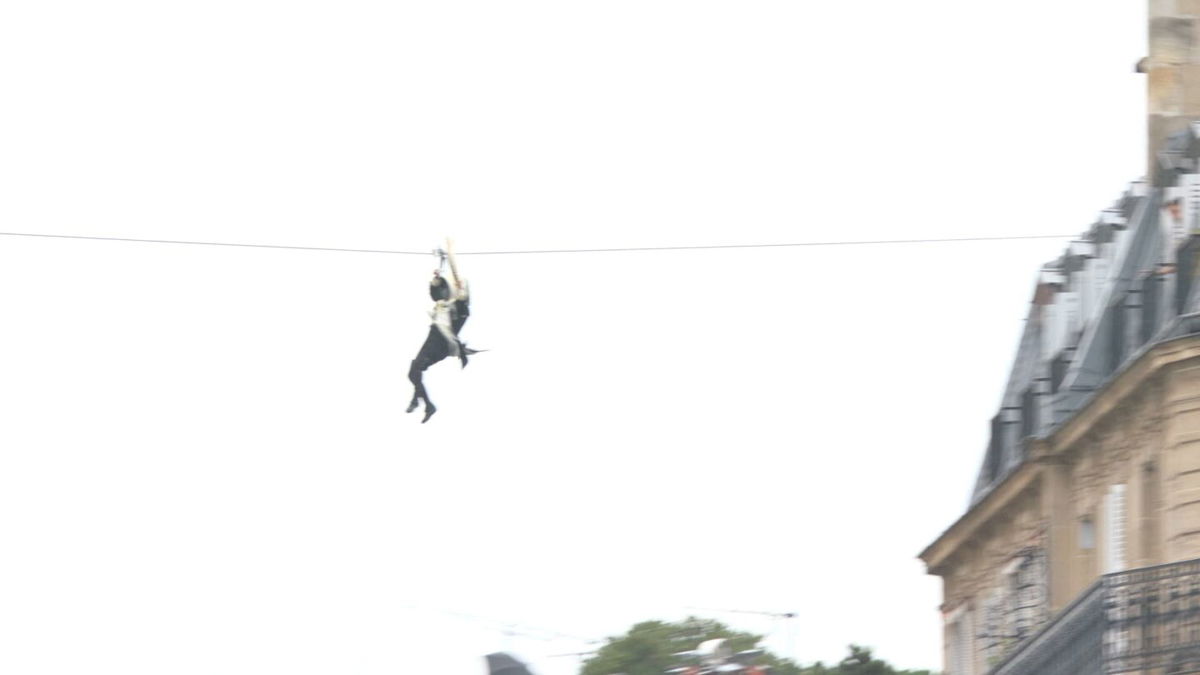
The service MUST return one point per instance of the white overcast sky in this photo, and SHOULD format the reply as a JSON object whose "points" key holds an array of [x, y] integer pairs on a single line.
{"points": [[204, 461]]}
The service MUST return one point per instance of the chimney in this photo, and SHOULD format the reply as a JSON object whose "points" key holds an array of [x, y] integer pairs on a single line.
{"points": [[1173, 73]]}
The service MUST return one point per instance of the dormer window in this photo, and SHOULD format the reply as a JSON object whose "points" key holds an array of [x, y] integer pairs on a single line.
{"points": [[1058, 369], [1116, 334], [1150, 304], [1029, 412], [1185, 271], [995, 449]]}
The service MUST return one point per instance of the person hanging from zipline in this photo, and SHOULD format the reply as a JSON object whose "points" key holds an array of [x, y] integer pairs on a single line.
{"points": [[451, 308]]}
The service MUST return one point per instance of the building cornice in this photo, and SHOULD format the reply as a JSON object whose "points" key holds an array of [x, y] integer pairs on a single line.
{"points": [[975, 519], [1118, 389]]}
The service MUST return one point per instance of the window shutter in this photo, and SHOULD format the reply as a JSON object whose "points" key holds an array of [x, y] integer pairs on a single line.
{"points": [[1114, 525], [962, 661], [1190, 183], [1171, 227]]}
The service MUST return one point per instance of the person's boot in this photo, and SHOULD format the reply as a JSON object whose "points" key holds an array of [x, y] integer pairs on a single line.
{"points": [[429, 410]]}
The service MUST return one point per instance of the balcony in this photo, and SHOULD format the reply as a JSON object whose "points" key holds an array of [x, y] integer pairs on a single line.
{"points": [[1144, 621], [1071, 644]]}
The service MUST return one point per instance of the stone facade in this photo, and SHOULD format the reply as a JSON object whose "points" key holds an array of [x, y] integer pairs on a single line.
{"points": [[1117, 486]]}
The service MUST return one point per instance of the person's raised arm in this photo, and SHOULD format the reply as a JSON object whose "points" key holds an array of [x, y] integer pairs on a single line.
{"points": [[458, 284]]}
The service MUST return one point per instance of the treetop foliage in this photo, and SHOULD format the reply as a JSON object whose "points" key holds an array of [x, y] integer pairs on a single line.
{"points": [[649, 648]]}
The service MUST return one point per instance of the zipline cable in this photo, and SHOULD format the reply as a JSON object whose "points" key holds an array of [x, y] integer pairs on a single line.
{"points": [[851, 242], [210, 243]]}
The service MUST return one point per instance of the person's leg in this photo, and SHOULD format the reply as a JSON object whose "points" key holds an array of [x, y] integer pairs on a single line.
{"points": [[432, 351], [415, 372]]}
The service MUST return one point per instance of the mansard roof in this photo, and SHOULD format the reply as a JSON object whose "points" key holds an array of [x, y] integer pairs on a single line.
{"points": [[1112, 293], [1179, 155]]}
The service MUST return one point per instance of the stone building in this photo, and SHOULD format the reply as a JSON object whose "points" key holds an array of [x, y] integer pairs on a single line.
{"points": [[1080, 549]]}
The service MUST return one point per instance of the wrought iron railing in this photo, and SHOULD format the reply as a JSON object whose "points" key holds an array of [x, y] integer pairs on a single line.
{"points": [[1144, 621], [1069, 645], [1152, 619]]}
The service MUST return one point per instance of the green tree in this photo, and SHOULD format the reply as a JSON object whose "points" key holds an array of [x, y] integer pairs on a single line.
{"points": [[648, 649], [860, 662]]}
